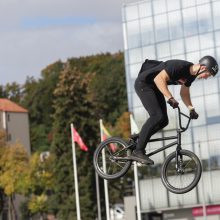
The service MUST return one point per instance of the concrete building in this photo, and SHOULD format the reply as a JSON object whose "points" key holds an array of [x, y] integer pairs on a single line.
{"points": [[177, 29], [14, 121]]}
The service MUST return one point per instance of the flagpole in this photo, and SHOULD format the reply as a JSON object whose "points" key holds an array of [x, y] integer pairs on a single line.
{"points": [[105, 181], [137, 191], [98, 196], [75, 175]]}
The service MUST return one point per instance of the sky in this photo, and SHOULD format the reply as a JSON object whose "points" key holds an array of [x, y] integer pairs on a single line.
{"points": [[36, 33]]}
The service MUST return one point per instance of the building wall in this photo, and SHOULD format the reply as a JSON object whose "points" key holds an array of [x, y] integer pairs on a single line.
{"points": [[153, 199], [1, 120], [130, 207], [160, 29], [18, 129], [175, 29]]}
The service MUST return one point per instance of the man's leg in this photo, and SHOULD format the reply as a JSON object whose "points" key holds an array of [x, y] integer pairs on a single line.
{"points": [[163, 105], [149, 99]]}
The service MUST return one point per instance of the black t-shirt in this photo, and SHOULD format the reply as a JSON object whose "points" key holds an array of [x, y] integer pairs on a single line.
{"points": [[178, 71]]}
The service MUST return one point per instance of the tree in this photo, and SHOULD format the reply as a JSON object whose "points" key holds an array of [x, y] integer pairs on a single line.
{"points": [[13, 169], [38, 204], [2, 92], [86, 89], [40, 106], [13, 91], [108, 87], [19, 174], [40, 182], [71, 105]]}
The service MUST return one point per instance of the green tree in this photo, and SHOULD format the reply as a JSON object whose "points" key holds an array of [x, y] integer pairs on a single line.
{"points": [[71, 105], [13, 91], [2, 92], [102, 96], [38, 99], [108, 88], [40, 177], [40, 181], [86, 89], [38, 204]]}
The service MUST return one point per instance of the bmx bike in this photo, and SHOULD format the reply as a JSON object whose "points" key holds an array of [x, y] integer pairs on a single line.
{"points": [[180, 172]]}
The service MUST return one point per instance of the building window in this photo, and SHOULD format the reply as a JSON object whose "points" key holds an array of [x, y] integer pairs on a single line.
{"points": [[8, 117], [9, 137]]}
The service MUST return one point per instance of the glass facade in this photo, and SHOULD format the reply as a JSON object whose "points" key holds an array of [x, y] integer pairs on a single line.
{"points": [[178, 29]]}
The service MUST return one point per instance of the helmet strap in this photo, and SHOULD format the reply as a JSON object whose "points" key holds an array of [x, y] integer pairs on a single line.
{"points": [[198, 73]]}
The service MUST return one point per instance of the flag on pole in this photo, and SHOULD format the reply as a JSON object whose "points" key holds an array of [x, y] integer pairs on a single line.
{"points": [[134, 127], [79, 141], [105, 135], [75, 172]]}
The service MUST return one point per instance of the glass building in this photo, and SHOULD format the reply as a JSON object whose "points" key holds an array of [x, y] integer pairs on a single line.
{"points": [[188, 30]]}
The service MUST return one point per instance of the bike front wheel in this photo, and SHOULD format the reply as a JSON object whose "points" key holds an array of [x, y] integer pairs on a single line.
{"points": [[108, 158], [181, 172]]}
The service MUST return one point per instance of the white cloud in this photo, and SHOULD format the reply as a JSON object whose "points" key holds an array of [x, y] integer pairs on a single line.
{"points": [[25, 52]]}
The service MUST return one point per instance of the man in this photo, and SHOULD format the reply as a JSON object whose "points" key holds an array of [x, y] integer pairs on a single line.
{"points": [[151, 86]]}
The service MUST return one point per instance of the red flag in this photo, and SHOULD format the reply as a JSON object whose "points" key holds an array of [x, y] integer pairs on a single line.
{"points": [[79, 140]]}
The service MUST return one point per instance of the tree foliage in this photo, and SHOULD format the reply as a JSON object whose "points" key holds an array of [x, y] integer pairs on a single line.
{"points": [[40, 176], [13, 169], [26, 176], [14, 166], [72, 107], [80, 91], [38, 99]]}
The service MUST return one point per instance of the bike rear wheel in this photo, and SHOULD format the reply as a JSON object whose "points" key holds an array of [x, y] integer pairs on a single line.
{"points": [[182, 176], [110, 150]]}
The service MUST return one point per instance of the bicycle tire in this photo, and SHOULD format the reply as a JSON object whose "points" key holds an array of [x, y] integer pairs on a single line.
{"points": [[170, 161], [122, 167]]}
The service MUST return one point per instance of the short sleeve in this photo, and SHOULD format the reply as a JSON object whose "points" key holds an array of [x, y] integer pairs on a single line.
{"points": [[189, 81]]}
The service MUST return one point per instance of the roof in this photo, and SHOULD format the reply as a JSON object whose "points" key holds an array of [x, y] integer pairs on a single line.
{"points": [[9, 106]]}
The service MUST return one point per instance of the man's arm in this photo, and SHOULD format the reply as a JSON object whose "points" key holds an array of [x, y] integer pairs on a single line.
{"points": [[185, 95], [161, 82]]}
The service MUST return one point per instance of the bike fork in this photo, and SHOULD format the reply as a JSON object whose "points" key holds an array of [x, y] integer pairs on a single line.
{"points": [[179, 160]]}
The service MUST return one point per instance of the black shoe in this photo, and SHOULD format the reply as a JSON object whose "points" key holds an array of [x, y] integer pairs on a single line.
{"points": [[141, 157]]}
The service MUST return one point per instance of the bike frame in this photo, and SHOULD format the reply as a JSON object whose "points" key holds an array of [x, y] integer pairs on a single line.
{"points": [[180, 130]]}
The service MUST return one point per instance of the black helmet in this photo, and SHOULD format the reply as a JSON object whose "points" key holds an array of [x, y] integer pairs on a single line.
{"points": [[210, 63]]}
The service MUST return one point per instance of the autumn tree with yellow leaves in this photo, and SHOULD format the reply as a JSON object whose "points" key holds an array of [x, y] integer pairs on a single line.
{"points": [[40, 180], [14, 164], [24, 175]]}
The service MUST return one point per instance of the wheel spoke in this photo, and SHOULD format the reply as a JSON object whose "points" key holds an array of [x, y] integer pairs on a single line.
{"points": [[185, 176], [114, 168], [107, 148]]}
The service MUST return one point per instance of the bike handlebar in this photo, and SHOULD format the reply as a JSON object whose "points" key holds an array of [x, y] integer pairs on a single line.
{"points": [[180, 121]]}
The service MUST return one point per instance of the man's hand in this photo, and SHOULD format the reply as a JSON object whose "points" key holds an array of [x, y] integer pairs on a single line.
{"points": [[173, 103], [193, 114]]}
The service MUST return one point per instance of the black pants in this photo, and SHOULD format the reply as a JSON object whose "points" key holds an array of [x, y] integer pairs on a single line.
{"points": [[155, 104]]}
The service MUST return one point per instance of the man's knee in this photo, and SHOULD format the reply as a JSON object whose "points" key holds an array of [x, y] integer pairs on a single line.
{"points": [[165, 122], [162, 120]]}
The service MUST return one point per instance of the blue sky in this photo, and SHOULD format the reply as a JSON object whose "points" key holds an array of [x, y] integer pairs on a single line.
{"points": [[36, 33]]}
